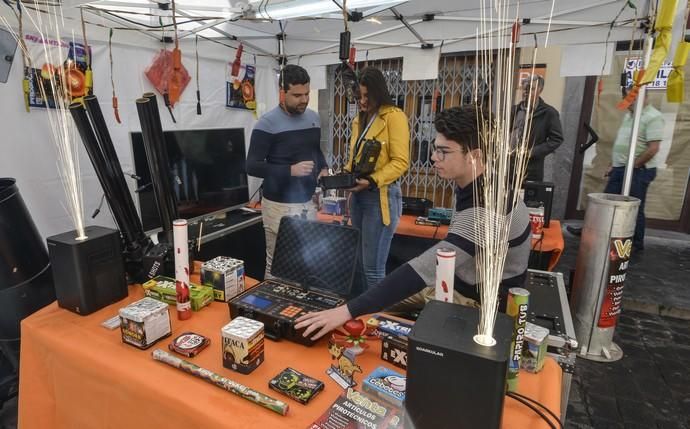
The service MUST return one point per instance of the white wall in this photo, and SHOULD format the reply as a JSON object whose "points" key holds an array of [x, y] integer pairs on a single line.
{"points": [[27, 151]]}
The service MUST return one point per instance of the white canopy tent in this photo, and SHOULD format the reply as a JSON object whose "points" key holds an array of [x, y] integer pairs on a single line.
{"points": [[380, 28]]}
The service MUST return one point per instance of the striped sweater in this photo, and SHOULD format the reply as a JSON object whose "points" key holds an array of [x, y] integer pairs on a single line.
{"points": [[420, 272]]}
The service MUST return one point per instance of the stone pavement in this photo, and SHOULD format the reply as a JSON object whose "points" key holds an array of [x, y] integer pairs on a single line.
{"points": [[650, 387]]}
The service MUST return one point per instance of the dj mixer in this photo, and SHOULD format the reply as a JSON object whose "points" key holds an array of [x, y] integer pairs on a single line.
{"points": [[313, 270], [277, 305]]}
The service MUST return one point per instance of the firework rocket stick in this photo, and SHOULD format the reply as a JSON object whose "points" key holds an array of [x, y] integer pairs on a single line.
{"points": [[231, 386], [184, 304]]}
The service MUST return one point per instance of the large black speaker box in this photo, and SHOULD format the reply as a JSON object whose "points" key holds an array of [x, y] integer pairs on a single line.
{"points": [[89, 274], [453, 382], [537, 193]]}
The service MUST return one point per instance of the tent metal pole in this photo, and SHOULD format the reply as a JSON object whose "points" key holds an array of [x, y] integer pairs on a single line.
{"points": [[639, 105]]}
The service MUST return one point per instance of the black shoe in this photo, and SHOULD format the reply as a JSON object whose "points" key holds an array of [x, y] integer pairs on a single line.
{"points": [[575, 230]]}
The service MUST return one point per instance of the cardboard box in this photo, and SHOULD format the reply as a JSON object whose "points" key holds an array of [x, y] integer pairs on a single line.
{"points": [[144, 322], [225, 275], [386, 385], [394, 350], [243, 344], [163, 289]]}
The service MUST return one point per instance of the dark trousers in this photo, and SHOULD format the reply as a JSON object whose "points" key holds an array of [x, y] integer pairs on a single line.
{"points": [[641, 179]]}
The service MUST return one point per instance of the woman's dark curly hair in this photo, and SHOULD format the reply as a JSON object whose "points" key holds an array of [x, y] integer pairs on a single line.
{"points": [[460, 125]]}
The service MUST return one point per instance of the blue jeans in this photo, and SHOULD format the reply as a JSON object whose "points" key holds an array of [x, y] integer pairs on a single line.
{"points": [[366, 215], [641, 179]]}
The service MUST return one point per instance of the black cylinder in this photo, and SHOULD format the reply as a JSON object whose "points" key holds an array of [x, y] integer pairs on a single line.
{"points": [[93, 109], [25, 281], [157, 159], [103, 173]]}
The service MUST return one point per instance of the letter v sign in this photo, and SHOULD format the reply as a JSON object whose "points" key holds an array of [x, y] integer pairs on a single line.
{"points": [[623, 248]]}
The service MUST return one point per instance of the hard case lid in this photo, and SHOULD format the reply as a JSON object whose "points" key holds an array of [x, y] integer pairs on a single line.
{"points": [[316, 255]]}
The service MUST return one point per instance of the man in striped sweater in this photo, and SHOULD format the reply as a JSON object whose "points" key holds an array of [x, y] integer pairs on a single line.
{"points": [[456, 156]]}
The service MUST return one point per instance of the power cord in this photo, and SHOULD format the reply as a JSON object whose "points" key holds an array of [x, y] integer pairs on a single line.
{"points": [[532, 404]]}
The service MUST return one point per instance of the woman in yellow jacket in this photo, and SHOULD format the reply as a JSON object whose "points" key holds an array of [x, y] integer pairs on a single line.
{"points": [[376, 201]]}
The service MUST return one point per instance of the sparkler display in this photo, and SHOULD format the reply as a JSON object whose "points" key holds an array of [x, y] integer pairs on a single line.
{"points": [[57, 83], [505, 155]]}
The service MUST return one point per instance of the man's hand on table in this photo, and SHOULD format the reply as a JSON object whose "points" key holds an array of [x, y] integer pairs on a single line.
{"points": [[323, 322]]}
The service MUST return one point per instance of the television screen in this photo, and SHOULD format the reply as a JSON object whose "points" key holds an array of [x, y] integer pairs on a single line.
{"points": [[207, 171]]}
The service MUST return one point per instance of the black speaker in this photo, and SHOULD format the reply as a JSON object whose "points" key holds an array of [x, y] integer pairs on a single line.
{"points": [[540, 193], [453, 382], [89, 274]]}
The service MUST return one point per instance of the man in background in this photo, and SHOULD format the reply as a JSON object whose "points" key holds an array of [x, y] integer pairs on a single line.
{"points": [[285, 151], [650, 134], [545, 134]]}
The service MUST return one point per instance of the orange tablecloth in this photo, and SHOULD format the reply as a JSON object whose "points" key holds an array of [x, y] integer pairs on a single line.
{"points": [[551, 242], [76, 374]]}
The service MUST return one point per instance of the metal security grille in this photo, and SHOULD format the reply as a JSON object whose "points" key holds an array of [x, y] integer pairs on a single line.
{"points": [[420, 100]]}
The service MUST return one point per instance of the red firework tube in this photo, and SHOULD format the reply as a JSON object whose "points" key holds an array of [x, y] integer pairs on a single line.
{"points": [[184, 303]]}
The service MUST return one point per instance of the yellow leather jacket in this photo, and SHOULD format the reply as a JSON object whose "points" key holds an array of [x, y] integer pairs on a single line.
{"points": [[391, 129]]}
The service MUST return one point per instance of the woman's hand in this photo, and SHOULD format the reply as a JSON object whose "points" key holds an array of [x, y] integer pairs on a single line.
{"points": [[361, 185], [323, 322]]}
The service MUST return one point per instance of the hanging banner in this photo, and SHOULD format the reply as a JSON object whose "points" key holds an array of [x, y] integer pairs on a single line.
{"points": [[660, 81], [62, 59], [240, 90], [619, 257]]}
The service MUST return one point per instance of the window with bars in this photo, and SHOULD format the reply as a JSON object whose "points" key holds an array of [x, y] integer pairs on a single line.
{"points": [[420, 100]]}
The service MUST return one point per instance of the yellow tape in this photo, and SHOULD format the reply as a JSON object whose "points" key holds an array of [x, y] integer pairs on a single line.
{"points": [[675, 88]]}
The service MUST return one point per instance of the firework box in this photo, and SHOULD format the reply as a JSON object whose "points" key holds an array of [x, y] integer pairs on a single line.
{"points": [[394, 350], [163, 289], [393, 332], [534, 350], [225, 275], [243, 344], [385, 384], [354, 410], [390, 325], [144, 322]]}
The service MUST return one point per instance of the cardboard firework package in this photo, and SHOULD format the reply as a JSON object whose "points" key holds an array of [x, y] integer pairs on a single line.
{"points": [[243, 344], [386, 385], [354, 410]]}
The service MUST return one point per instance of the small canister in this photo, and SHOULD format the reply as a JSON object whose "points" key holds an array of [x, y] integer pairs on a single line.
{"points": [[445, 274], [534, 351], [536, 219], [243, 344], [144, 322], [518, 301]]}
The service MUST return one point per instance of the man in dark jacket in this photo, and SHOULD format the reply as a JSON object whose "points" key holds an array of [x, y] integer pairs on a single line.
{"points": [[545, 133]]}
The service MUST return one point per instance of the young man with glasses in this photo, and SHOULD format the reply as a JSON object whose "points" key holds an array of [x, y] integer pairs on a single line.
{"points": [[456, 156]]}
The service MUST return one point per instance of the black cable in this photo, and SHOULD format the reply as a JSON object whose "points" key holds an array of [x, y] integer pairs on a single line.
{"points": [[516, 395], [436, 231], [98, 209], [535, 409]]}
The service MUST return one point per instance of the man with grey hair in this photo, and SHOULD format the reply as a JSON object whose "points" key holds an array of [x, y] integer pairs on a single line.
{"points": [[545, 135]]}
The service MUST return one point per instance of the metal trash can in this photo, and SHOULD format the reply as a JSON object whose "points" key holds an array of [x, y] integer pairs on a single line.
{"points": [[602, 262]]}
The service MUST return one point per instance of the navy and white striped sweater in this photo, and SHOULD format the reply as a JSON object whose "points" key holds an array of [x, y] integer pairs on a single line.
{"points": [[420, 272]]}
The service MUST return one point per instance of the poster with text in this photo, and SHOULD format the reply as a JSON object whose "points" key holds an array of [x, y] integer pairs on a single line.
{"points": [[240, 90], [63, 60], [619, 257]]}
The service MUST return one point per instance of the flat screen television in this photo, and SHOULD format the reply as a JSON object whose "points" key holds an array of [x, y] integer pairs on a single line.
{"points": [[207, 171]]}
